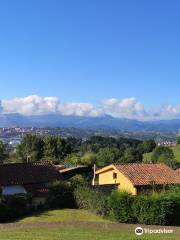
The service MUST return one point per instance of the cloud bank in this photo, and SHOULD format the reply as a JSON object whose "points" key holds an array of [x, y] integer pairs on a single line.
{"points": [[129, 108]]}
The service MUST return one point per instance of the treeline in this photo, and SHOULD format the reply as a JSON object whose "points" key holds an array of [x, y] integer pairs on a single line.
{"points": [[97, 149]]}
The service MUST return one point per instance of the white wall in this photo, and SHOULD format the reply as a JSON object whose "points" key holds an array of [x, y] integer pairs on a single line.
{"points": [[11, 190]]}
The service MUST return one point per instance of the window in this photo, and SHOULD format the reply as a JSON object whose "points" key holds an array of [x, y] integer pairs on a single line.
{"points": [[114, 175]]}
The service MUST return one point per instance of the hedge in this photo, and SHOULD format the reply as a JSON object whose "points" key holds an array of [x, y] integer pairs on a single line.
{"points": [[157, 209], [92, 200]]}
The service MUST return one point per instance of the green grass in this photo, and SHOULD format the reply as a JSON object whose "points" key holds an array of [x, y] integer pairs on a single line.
{"points": [[71, 224], [176, 151], [64, 215]]}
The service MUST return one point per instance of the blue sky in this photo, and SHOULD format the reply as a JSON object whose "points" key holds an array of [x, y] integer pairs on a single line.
{"points": [[89, 51]]}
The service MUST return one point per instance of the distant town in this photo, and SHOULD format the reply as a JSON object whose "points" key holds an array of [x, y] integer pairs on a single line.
{"points": [[12, 136]]}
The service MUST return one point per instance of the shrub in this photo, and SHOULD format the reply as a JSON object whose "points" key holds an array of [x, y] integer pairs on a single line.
{"points": [[150, 209], [92, 200], [18, 205], [157, 209], [78, 180], [5, 213], [121, 206], [60, 195], [12, 207]]}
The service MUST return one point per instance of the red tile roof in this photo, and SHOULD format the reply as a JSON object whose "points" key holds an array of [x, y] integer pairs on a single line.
{"points": [[28, 173], [144, 174]]}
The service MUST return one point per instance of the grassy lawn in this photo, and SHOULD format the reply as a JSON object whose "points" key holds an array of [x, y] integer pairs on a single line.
{"points": [[73, 225]]}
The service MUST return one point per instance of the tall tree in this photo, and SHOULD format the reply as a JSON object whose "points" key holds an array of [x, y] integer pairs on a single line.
{"points": [[30, 149], [106, 156], [56, 148], [163, 154], [3, 153], [131, 155], [147, 146]]}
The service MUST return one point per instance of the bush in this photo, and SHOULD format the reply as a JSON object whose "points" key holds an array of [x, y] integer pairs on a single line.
{"points": [[91, 200], [121, 206], [13, 207], [157, 209], [5, 211], [78, 181], [60, 195], [18, 204]]}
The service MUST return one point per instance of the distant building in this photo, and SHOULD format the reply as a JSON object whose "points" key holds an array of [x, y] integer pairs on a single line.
{"points": [[136, 178]]}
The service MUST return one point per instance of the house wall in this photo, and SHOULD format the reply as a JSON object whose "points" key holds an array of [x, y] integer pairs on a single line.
{"points": [[124, 184], [12, 190]]}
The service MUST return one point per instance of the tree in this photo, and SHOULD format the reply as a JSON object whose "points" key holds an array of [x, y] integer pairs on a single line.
{"points": [[163, 154], [73, 159], [131, 155], [88, 159], [3, 154], [30, 149], [106, 156], [147, 146], [178, 139], [55, 148]]}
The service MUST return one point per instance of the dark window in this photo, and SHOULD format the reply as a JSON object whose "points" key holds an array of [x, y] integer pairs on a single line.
{"points": [[114, 175]]}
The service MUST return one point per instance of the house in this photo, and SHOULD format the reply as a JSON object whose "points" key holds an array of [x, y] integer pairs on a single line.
{"points": [[136, 178], [23, 178]]}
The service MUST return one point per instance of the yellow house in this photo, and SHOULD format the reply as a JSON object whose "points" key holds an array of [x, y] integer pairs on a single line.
{"points": [[137, 177]]}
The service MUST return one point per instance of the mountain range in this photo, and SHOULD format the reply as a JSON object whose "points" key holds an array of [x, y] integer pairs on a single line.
{"points": [[106, 122]]}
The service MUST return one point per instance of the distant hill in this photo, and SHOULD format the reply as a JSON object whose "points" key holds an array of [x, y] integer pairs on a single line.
{"points": [[106, 122]]}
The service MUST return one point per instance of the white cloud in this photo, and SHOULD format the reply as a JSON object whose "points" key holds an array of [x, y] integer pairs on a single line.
{"points": [[31, 105], [129, 108], [125, 108], [166, 112], [79, 109], [36, 105]]}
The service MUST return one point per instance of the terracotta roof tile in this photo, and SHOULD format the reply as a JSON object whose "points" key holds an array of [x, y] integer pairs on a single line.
{"points": [[144, 174]]}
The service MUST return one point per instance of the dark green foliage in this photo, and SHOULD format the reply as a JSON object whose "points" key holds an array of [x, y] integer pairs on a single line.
{"points": [[30, 149], [178, 139], [60, 195], [163, 154], [121, 206], [131, 155], [5, 211], [3, 153], [91, 200], [78, 181], [157, 209], [13, 207], [18, 204], [56, 148], [147, 146], [100, 150], [106, 156]]}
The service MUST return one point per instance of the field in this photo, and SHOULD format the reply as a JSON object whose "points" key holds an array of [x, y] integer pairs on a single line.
{"points": [[74, 225], [176, 151]]}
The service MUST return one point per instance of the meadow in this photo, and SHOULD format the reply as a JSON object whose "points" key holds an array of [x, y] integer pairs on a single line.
{"points": [[71, 224]]}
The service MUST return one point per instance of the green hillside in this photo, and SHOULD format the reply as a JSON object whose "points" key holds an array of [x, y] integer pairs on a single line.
{"points": [[176, 151], [71, 224]]}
